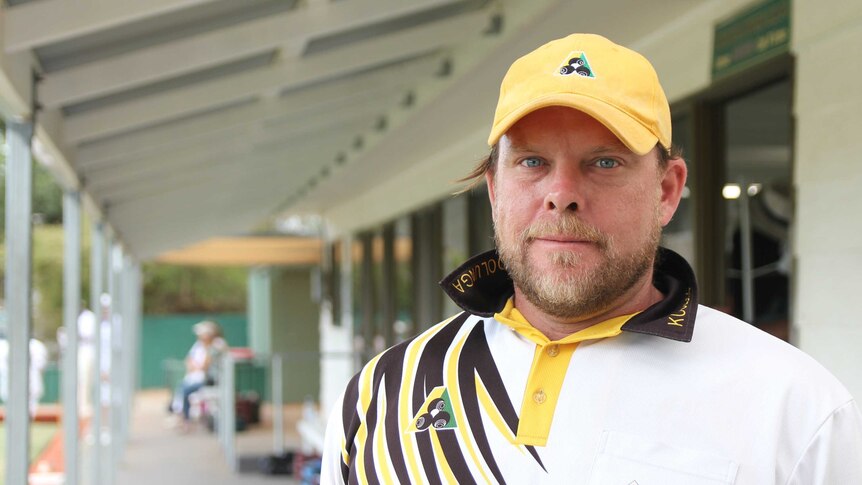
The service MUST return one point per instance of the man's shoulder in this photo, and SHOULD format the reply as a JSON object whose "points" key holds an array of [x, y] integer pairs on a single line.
{"points": [[735, 346], [433, 342], [728, 333]]}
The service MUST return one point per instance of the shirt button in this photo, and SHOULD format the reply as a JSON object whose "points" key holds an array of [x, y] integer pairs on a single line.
{"points": [[539, 396], [553, 350]]}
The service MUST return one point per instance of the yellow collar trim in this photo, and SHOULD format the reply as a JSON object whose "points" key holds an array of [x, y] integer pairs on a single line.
{"points": [[511, 317], [548, 371]]}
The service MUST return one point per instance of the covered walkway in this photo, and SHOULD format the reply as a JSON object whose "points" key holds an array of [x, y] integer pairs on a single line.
{"points": [[157, 454]]}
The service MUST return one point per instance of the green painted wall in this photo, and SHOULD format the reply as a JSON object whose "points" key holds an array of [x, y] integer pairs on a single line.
{"points": [[166, 337], [296, 332], [51, 381], [284, 319], [259, 309]]}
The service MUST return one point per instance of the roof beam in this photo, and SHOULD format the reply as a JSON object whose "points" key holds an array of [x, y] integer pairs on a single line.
{"points": [[247, 138], [15, 82], [234, 183], [247, 177], [342, 62], [288, 31], [191, 173], [35, 24], [170, 234], [234, 144], [148, 243], [190, 204], [306, 100]]}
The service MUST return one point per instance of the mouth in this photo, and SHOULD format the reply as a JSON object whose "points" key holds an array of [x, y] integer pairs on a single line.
{"points": [[563, 239], [562, 243]]}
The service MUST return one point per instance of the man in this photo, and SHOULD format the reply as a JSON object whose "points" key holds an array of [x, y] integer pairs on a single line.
{"points": [[582, 355]]}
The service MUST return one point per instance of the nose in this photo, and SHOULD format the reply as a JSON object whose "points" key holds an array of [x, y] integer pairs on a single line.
{"points": [[563, 191]]}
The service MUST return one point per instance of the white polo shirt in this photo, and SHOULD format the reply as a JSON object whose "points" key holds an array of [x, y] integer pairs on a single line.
{"points": [[641, 399]]}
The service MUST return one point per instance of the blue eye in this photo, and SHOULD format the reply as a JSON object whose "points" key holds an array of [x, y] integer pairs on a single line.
{"points": [[531, 162], [607, 163]]}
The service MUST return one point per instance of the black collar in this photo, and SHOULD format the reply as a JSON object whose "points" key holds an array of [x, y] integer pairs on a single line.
{"points": [[482, 286]]}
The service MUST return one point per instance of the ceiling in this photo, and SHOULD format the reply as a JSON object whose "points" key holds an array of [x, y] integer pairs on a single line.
{"points": [[182, 120]]}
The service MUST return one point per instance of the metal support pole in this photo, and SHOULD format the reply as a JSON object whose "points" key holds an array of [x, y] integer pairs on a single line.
{"points": [[19, 247], [745, 248], [277, 405], [137, 310], [227, 425], [115, 259], [131, 330], [71, 310], [128, 352], [97, 261]]}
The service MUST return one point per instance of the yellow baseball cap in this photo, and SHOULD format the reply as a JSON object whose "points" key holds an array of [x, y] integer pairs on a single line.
{"points": [[613, 84]]}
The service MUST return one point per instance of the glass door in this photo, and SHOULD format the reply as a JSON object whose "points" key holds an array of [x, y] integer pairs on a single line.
{"points": [[757, 198]]}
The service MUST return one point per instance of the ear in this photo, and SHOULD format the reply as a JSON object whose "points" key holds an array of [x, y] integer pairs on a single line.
{"points": [[489, 180], [672, 185]]}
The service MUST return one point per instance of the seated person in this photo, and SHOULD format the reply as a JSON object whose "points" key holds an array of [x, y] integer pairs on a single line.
{"points": [[200, 368]]}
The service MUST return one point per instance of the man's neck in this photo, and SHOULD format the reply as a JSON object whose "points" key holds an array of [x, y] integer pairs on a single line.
{"points": [[640, 297]]}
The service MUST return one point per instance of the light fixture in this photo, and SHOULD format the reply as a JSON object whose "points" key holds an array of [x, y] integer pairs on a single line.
{"points": [[731, 191], [754, 189]]}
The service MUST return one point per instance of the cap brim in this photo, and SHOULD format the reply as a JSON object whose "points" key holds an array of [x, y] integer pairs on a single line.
{"points": [[629, 130]]}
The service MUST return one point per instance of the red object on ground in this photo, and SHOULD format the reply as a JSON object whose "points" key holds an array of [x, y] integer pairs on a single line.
{"points": [[45, 413], [51, 458], [241, 353]]}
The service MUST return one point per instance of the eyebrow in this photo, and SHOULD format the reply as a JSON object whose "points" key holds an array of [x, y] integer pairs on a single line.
{"points": [[608, 148], [614, 147], [524, 148]]}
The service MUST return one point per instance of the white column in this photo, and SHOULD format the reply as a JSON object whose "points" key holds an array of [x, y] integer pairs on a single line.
{"points": [[97, 265], [115, 263], [71, 310], [127, 387], [19, 247]]}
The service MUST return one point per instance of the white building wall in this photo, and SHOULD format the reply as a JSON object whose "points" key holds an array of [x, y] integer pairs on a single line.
{"points": [[681, 49], [828, 179], [336, 342]]}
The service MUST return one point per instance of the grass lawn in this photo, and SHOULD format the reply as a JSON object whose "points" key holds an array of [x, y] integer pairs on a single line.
{"points": [[40, 436]]}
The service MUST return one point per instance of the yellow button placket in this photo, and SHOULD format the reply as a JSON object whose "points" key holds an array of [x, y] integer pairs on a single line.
{"points": [[548, 371]]}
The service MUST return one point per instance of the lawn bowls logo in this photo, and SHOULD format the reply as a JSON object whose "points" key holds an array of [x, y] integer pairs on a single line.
{"points": [[435, 412], [576, 63]]}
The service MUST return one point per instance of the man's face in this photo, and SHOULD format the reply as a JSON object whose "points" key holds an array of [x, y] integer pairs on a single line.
{"points": [[577, 215]]}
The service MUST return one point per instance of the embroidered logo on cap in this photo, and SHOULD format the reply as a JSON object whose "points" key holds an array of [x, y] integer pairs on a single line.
{"points": [[576, 63]]}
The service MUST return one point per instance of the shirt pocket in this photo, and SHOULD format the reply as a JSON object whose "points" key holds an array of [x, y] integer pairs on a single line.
{"points": [[625, 459]]}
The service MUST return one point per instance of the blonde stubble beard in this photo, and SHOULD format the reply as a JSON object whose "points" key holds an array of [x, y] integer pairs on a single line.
{"points": [[575, 292]]}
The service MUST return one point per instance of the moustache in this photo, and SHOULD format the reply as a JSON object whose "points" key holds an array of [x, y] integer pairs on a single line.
{"points": [[568, 226]]}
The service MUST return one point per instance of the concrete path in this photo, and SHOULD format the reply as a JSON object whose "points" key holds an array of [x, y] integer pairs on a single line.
{"points": [[158, 454]]}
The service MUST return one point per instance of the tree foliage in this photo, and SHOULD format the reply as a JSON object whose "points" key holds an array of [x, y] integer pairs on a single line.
{"points": [[193, 289]]}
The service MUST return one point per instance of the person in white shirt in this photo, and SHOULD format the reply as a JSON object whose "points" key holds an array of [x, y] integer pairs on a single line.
{"points": [[38, 362], [200, 363], [86, 359]]}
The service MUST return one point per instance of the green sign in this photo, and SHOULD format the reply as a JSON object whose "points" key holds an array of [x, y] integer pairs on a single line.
{"points": [[750, 37]]}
